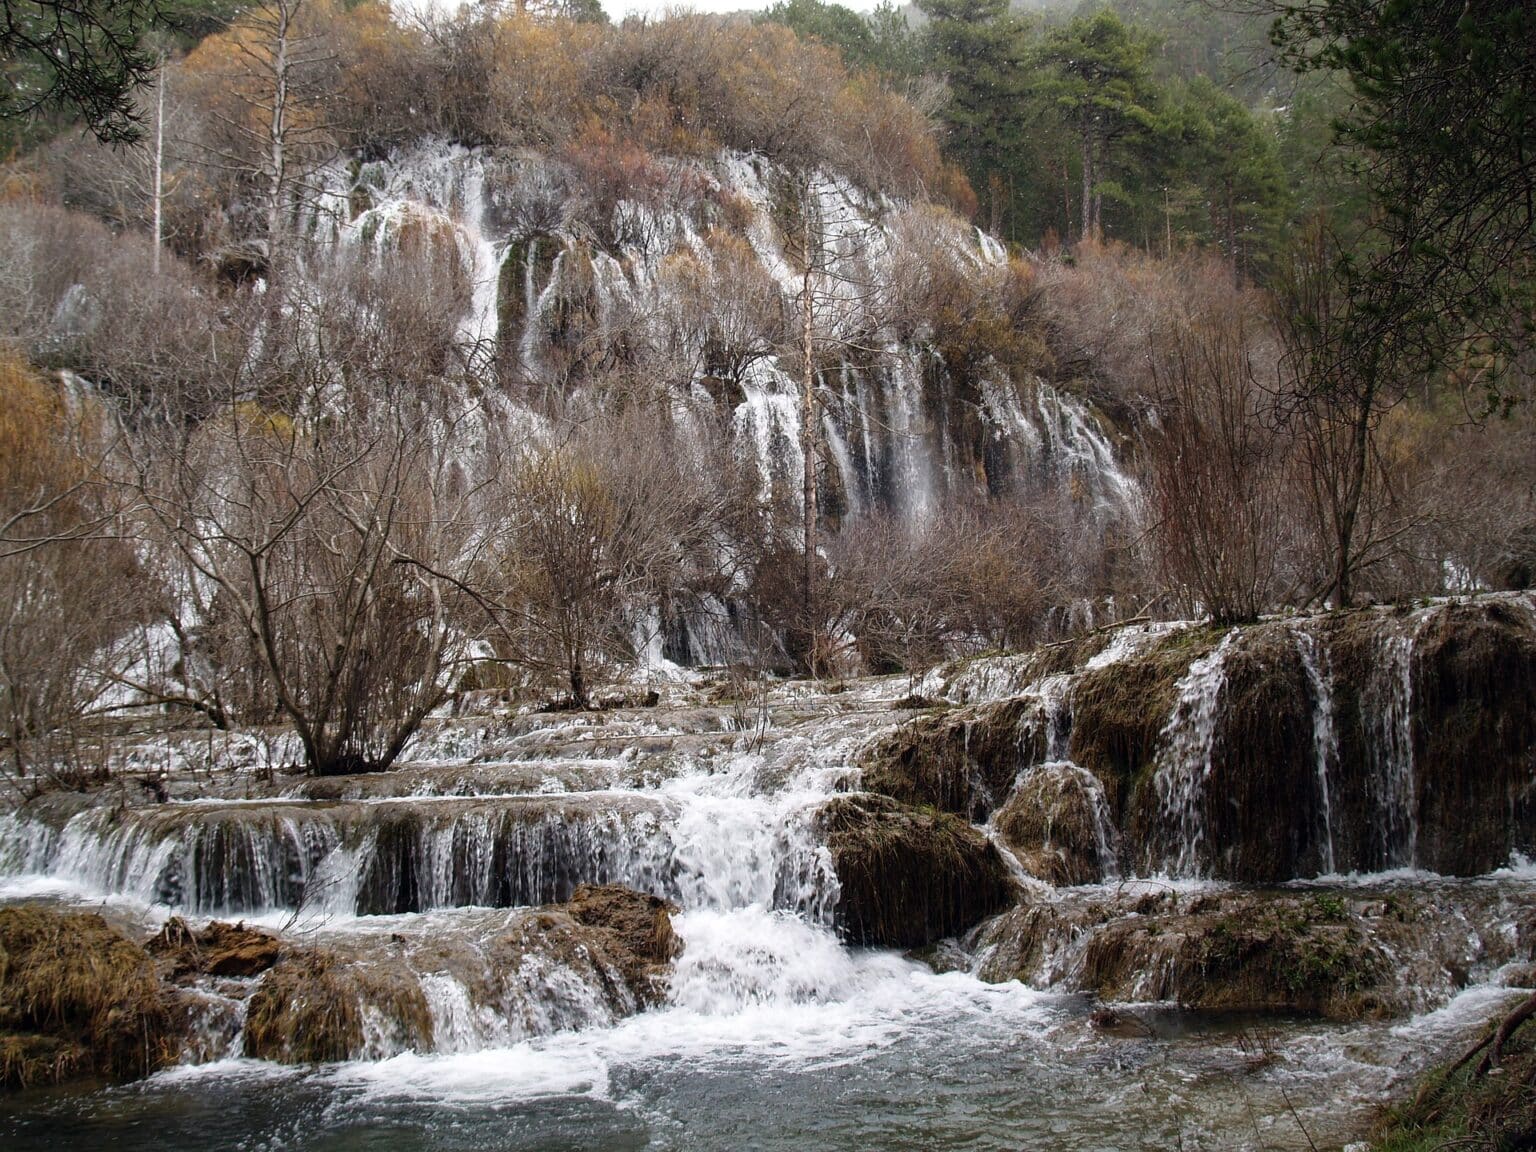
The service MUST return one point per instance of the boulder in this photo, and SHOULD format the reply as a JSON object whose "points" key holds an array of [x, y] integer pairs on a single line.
{"points": [[638, 933], [909, 877], [312, 1006], [1053, 826], [960, 761]]}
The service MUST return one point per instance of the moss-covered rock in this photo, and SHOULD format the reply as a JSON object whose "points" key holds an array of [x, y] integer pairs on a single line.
{"points": [[315, 1006], [637, 930], [1336, 953], [1261, 801], [1474, 736], [78, 998], [1118, 714], [963, 761], [907, 876], [1052, 825]]}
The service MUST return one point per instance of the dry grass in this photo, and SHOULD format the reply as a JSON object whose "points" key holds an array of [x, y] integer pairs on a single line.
{"points": [[77, 998], [310, 1009]]}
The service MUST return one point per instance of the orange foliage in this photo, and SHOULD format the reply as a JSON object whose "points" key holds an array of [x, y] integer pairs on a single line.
{"points": [[37, 436]]}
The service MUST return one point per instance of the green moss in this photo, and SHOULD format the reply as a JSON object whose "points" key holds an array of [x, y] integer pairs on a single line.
{"points": [[963, 761], [1463, 1109]]}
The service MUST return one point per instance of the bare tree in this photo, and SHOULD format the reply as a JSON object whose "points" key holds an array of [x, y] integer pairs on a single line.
{"points": [[1334, 388], [267, 85], [65, 582], [595, 528], [1220, 475], [328, 528]]}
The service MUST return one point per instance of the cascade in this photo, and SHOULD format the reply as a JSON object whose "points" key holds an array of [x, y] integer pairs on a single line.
{"points": [[1387, 714], [417, 884], [893, 447], [1184, 764], [1325, 740]]}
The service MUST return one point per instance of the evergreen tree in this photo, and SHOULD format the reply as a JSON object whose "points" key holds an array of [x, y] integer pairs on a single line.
{"points": [[979, 46], [1230, 164], [832, 24], [1094, 74], [86, 58]]}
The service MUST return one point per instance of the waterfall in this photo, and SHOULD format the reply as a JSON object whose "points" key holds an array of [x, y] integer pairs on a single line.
{"points": [[585, 291], [1050, 718], [1325, 740], [1184, 762], [1387, 713]]}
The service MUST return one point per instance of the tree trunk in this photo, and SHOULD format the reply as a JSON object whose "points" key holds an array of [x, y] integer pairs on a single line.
{"points": [[1088, 182], [159, 189], [1354, 486], [277, 176], [808, 446]]}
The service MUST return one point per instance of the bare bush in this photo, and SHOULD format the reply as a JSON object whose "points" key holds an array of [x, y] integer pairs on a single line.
{"points": [[325, 503], [65, 581], [1221, 473], [595, 529]]}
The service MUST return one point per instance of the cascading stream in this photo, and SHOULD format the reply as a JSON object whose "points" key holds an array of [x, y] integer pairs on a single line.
{"points": [[1184, 764], [1325, 740]]}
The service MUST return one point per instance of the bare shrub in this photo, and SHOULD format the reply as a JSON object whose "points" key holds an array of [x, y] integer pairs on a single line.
{"points": [[595, 528], [65, 581], [324, 501], [1221, 474]]}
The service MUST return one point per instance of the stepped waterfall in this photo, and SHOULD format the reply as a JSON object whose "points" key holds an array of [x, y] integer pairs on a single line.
{"points": [[434, 894], [1159, 885]]}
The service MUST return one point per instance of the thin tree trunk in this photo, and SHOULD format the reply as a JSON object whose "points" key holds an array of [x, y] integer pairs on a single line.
{"points": [[159, 193], [278, 137], [808, 446], [1354, 488], [1088, 227]]}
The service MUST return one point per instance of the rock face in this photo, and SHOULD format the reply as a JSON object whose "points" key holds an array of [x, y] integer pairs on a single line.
{"points": [[602, 956], [1341, 953], [78, 999], [1351, 742], [909, 877], [961, 762]]}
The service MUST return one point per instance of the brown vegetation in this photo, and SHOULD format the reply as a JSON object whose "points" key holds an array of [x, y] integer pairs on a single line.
{"points": [[310, 1008], [77, 999], [220, 949]]}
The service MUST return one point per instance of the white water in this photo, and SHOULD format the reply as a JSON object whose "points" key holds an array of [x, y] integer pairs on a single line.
{"points": [[1387, 704], [1184, 763], [1325, 740]]}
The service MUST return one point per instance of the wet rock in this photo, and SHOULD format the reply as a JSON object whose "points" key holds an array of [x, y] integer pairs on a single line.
{"points": [[1261, 800], [962, 761], [1118, 715], [315, 1006], [78, 999], [639, 932], [909, 877], [1336, 953], [220, 949], [1474, 703], [1053, 826]]}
